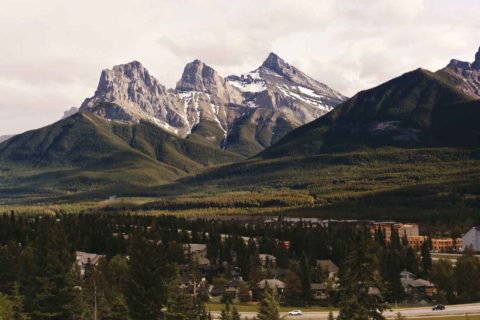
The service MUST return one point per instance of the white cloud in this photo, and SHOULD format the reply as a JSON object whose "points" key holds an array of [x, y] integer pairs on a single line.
{"points": [[52, 51]]}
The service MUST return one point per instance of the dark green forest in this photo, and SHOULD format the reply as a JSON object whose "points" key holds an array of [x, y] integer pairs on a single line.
{"points": [[145, 267]]}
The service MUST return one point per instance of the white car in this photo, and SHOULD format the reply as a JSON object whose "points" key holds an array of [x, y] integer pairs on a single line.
{"points": [[295, 313]]}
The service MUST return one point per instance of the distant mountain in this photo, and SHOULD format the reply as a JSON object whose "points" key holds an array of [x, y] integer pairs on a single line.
{"points": [[90, 152], [70, 112], [417, 109], [253, 111], [464, 75]]}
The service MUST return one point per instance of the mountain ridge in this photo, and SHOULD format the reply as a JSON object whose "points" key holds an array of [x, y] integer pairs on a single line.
{"points": [[250, 119]]}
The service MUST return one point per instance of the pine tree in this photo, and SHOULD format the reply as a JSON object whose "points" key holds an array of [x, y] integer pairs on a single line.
{"points": [[54, 259], [358, 276], [235, 314], [269, 307], [149, 273], [293, 289], [18, 304], [7, 311], [426, 260], [225, 314], [305, 278], [180, 303]]}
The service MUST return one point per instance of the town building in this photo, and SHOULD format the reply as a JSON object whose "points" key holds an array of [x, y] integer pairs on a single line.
{"points": [[446, 244], [267, 260], [387, 228], [319, 291], [471, 239], [329, 267], [415, 288], [84, 259]]}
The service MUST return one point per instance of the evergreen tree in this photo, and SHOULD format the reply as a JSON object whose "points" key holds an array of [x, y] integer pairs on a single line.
{"points": [[269, 306], [235, 314], [54, 259], [180, 303], [243, 292], [225, 314], [293, 289], [426, 260], [7, 311], [18, 304], [358, 277], [149, 273], [443, 276], [305, 278], [467, 287]]}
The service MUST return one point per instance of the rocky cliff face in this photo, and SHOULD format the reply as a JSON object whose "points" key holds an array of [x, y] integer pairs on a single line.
{"points": [[464, 75], [252, 110]]}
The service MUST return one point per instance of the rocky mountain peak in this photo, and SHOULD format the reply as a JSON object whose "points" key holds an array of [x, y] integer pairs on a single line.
{"points": [[129, 73], [476, 63], [275, 63], [454, 63], [464, 75], [197, 76]]}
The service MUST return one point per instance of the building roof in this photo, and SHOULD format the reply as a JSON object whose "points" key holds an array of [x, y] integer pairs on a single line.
{"points": [[328, 265], [264, 257], [408, 274], [85, 258], [195, 247], [318, 286], [271, 283], [417, 283]]}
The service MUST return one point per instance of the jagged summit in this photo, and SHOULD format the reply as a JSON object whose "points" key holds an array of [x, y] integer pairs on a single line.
{"points": [[241, 113], [464, 75], [274, 63], [197, 76], [476, 63], [466, 65]]}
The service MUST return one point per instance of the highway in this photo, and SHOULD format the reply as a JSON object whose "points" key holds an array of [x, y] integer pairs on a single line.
{"points": [[459, 310]]}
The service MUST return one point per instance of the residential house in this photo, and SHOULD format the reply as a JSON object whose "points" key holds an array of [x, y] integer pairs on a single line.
{"points": [[274, 284], [197, 252], [472, 239], [319, 291], [329, 267], [417, 289], [84, 259], [267, 260]]}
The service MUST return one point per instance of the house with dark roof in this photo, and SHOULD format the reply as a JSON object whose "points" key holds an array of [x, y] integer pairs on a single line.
{"points": [[415, 288], [319, 291]]}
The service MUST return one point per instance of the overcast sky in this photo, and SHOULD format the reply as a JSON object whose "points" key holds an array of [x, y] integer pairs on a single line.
{"points": [[52, 51]]}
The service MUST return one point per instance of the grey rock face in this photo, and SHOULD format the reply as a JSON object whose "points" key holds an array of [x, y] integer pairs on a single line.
{"points": [[265, 103], [476, 63], [464, 75], [70, 112]]}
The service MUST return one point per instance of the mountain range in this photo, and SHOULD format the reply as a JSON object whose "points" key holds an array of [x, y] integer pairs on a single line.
{"points": [[244, 114], [134, 134]]}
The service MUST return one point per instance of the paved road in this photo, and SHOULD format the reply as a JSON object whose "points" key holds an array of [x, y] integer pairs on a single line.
{"points": [[410, 312]]}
